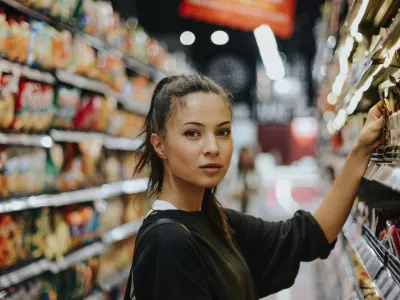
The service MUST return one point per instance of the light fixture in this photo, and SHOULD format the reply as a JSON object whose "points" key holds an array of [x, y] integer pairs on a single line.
{"points": [[269, 52], [187, 38], [220, 38]]}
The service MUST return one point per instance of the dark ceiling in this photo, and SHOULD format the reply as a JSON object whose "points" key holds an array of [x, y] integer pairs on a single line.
{"points": [[160, 18]]}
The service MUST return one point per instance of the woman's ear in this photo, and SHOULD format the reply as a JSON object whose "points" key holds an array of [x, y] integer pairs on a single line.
{"points": [[158, 145]]}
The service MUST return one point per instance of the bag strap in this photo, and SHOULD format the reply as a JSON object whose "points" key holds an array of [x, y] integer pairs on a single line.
{"points": [[139, 238]]}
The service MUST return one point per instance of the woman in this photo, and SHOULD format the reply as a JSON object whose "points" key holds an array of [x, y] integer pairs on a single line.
{"points": [[196, 250], [246, 185]]}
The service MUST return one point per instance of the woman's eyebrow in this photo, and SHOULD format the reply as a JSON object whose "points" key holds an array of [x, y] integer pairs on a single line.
{"points": [[200, 124]]}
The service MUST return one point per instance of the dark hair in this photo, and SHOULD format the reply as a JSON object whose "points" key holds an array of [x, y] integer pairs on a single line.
{"points": [[167, 94], [241, 167]]}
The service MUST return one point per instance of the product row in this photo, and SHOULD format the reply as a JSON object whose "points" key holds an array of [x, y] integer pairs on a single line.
{"points": [[51, 233], [78, 281], [95, 18], [29, 106], [64, 167]]}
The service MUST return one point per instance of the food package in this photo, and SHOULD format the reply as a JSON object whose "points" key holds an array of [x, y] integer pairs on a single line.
{"points": [[8, 256], [54, 163], [44, 108], [89, 114], [63, 9], [4, 30], [41, 229], [24, 105], [16, 44], [66, 102], [111, 216], [81, 165], [8, 89], [126, 124]]}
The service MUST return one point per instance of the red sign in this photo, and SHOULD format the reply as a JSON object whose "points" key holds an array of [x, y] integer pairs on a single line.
{"points": [[244, 14]]}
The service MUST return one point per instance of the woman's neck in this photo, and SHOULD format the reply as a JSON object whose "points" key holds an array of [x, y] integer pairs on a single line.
{"points": [[183, 195]]}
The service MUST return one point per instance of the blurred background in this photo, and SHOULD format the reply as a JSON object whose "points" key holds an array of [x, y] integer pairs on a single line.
{"points": [[76, 79]]}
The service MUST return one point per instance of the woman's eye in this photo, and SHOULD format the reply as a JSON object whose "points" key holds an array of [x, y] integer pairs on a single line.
{"points": [[192, 134], [225, 132]]}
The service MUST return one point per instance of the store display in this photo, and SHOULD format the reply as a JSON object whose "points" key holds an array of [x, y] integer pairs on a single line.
{"points": [[355, 70], [69, 120]]}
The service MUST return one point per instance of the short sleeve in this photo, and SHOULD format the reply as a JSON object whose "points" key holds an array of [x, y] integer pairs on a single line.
{"points": [[274, 250], [168, 266]]}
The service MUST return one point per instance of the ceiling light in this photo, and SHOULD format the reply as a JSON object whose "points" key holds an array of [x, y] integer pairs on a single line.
{"points": [[187, 38], [220, 37], [269, 52]]}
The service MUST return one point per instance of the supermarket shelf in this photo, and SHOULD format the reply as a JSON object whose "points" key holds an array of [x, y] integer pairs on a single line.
{"points": [[121, 232], [115, 280], [83, 82], [384, 174], [26, 140], [132, 63], [77, 256], [84, 195], [368, 252], [346, 264], [109, 142], [24, 273], [388, 283], [27, 72]]}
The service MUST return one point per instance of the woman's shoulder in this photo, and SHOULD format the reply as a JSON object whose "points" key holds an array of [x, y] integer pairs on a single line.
{"points": [[165, 232]]}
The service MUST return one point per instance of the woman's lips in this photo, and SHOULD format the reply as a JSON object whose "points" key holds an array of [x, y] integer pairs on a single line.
{"points": [[211, 169]]}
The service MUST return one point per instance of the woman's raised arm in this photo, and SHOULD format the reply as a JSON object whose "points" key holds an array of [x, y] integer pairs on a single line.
{"points": [[335, 208]]}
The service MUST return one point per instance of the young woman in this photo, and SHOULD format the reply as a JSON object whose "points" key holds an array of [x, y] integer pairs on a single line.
{"points": [[188, 247]]}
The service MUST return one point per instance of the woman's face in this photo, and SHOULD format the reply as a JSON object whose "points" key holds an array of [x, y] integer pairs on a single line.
{"points": [[198, 144]]}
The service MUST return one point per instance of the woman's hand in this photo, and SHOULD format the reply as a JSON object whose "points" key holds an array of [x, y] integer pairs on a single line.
{"points": [[371, 135]]}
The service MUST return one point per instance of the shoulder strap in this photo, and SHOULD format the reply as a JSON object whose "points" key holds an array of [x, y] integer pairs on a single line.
{"points": [[130, 290]]}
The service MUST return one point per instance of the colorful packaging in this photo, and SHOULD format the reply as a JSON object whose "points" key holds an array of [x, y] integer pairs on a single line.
{"points": [[41, 229], [44, 108], [25, 106], [62, 49], [125, 124], [63, 9], [16, 45], [66, 103], [78, 218], [59, 240], [4, 30], [112, 216], [111, 166], [23, 234], [54, 163], [41, 53], [7, 100], [8, 256], [3, 173], [86, 114]]}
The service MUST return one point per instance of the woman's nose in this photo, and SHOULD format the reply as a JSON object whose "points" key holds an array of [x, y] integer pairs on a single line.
{"points": [[211, 146]]}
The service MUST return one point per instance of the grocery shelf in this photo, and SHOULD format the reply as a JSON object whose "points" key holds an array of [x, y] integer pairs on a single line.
{"points": [[121, 232], [109, 142], [77, 256], [368, 253], [25, 71], [131, 63], [346, 264], [381, 265], [26, 140], [24, 273], [83, 195], [384, 174], [115, 280], [83, 82]]}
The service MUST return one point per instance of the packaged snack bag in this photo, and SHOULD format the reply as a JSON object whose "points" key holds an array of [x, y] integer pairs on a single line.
{"points": [[7, 100], [25, 106], [66, 103], [8, 256], [41, 228], [16, 45]]}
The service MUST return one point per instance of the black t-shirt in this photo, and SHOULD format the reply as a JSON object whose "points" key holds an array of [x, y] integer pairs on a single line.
{"points": [[263, 258]]}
